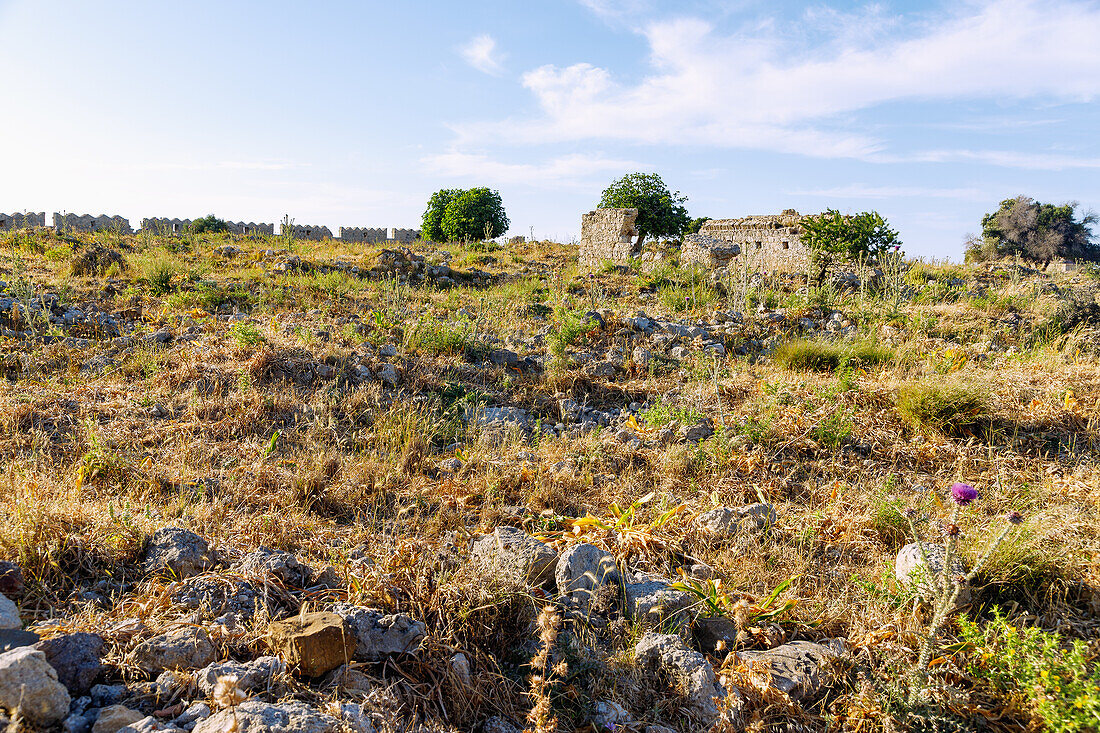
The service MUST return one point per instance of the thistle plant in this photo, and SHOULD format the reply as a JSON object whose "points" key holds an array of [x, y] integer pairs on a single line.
{"points": [[944, 586]]}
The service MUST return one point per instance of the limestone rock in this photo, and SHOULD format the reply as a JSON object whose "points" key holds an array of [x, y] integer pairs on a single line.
{"points": [[515, 557], [178, 551], [9, 614], [29, 684], [697, 432], [690, 670], [261, 717], [259, 675], [183, 648], [796, 666], [216, 595], [582, 571], [265, 562], [378, 635], [610, 715], [313, 643], [77, 659], [712, 633], [14, 638], [114, 718], [910, 571], [651, 601], [11, 579], [497, 724], [722, 523]]}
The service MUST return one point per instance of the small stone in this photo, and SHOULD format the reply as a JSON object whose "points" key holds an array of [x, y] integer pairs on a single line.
{"points": [[312, 643], [258, 675], [183, 648], [378, 635], [11, 578], [14, 638], [582, 571], [697, 432], [450, 465], [609, 715], [388, 374], [691, 671], [651, 601], [77, 659], [716, 634], [9, 614], [29, 685], [178, 551], [910, 570], [264, 563], [114, 718], [641, 355], [261, 717], [460, 667], [515, 557], [796, 666], [497, 724], [503, 357]]}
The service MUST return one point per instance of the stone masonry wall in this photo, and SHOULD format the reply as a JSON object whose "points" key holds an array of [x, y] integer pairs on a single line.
{"points": [[608, 235], [310, 232], [710, 252], [89, 223], [22, 221], [772, 242]]}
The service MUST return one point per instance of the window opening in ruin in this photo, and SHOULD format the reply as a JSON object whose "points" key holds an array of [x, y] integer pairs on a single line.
{"points": [[760, 245], [786, 245]]}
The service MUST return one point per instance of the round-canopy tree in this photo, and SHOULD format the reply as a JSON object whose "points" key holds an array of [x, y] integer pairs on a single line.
{"points": [[1038, 231], [661, 212], [474, 215], [431, 224], [466, 215]]}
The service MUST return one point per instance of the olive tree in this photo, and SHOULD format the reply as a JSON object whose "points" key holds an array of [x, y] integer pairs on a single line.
{"points": [[463, 215], [833, 238], [661, 212]]}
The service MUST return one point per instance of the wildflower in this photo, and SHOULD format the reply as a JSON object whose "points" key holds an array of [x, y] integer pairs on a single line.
{"points": [[963, 494], [1015, 517]]}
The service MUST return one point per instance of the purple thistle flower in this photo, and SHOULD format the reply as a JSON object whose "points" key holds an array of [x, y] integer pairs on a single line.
{"points": [[963, 494]]}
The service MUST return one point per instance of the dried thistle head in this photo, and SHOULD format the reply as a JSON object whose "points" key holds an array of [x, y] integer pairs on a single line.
{"points": [[227, 693]]}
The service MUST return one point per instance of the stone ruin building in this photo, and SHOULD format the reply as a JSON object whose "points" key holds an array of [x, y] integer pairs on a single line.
{"points": [[609, 234], [89, 223], [29, 220], [768, 242], [710, 252]]}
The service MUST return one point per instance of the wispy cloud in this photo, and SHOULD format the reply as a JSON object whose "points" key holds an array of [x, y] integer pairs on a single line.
{"points": [[481, 53], [569, 171], [757, 89]]}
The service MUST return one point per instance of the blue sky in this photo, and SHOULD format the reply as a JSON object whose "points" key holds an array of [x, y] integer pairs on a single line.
{"points": [[352, 113]]}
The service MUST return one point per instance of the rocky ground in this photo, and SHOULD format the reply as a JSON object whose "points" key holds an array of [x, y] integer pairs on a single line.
{"points": [[266, 484]]}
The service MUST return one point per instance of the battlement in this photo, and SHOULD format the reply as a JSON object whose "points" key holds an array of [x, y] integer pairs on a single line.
{"points": [[30, 220], [90, 223]]}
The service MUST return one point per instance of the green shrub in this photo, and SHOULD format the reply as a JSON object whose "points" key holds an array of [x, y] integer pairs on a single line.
{"points": [[246, 335], [823, 356], [209, 224], [570, 327], [951, 409], [661, 413], [432, 336], [159, 277], [1058, 679]]}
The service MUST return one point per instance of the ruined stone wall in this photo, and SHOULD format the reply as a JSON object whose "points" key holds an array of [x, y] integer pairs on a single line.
{"points": [[163, 225], [22, 221], [771, 241], [405, 236], [369, 235], [708, 251], [89, 223], [608, 235], [251, 228], [310, 232]]}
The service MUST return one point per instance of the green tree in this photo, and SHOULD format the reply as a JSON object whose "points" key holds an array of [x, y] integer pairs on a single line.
{"points": [[209, 225], [833, 238], [473, 215], [696, 225], [661, 212], [431, 224], [1038, 231]]}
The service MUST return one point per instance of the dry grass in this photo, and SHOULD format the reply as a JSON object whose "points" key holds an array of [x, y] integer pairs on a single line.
{"points": [[256, 445]]}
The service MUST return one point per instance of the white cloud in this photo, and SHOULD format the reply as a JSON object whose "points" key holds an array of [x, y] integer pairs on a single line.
{"points": [[570, 171], [756, 89], [481, 53]]}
